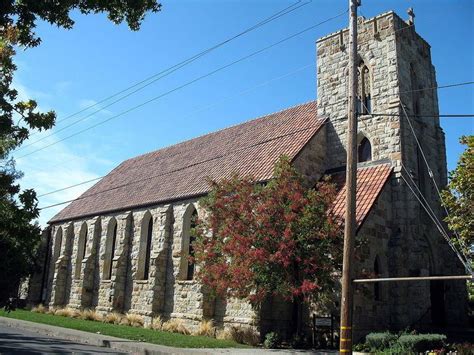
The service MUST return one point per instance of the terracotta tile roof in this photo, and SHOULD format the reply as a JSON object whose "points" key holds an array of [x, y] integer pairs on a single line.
{"points": [[181, 170], [370, 181]]}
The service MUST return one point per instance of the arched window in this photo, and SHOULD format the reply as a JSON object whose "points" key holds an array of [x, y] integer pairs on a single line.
{"points": [[58, 240], [377, 274], [145, 247], [187, 267], [110, 248], [364, 98], [364, 150], [81, 250], [192, 238]]}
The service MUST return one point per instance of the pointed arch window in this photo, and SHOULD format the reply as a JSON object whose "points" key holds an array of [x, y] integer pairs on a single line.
{"points": [[144, 255], [81, 250], [364, 97], [187, 266], [110, 248], [364, 150], [192, 238]]}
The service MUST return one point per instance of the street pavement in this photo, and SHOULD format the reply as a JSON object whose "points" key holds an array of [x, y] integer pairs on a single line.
{"points": [[23, 337], [19, 341]]}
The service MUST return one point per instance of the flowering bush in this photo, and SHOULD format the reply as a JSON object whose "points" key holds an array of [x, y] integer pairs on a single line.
{"points": [[268, 239]]}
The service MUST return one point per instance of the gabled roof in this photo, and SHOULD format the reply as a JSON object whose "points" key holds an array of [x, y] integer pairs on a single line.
{"points": [[182, 170], [370, 181]]}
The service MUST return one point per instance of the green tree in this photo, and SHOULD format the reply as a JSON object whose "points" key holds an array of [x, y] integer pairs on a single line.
{"points": [[458, 198], [19, 235], [273, 240]]}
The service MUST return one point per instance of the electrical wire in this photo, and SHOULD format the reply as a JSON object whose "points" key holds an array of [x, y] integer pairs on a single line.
{"points": [[449, 242], [219, 156], [430, 171], [181, 64], [215, 103], [187, 83], [440, 225]]}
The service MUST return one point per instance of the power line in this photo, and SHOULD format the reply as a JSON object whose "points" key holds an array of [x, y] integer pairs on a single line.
{"points": [[189, 114], [234, 151], [325, 121], [440, 230], [378, 97], [433, 216], [438, 222], [264, 83], [188, 83], [166, 72], [430, 171]]}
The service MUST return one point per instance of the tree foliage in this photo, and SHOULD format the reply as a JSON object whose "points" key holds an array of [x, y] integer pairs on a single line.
{"points": [[261, 240], [459, 197], [19, 237]]}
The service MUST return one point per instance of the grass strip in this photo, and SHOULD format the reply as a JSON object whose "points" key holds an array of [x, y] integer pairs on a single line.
{"points": [[124, 331]]}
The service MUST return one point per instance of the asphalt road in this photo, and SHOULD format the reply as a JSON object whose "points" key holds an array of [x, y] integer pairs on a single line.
{"points": [[16, 341]]}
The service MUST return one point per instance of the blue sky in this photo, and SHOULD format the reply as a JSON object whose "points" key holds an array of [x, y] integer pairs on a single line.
{"points": [[73, 69]]}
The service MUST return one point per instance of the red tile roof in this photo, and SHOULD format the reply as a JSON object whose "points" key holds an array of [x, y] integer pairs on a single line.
{"points": [[181, 171], [370, 181]]}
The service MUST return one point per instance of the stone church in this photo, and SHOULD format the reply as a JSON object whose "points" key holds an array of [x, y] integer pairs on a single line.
{"points": [[124, 244]]}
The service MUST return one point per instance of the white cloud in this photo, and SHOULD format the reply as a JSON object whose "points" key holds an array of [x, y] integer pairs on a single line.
{"points": [[54, 168]]}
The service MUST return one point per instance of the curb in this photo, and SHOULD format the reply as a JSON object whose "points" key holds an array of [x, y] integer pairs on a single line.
{"points": [[133, 347], [99, 340]]}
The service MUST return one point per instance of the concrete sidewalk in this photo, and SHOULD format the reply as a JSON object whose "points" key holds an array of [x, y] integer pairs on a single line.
{"points": [[129, 346]]}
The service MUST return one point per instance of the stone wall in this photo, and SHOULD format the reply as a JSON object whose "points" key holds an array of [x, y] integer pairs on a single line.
{"points": [[163, 293]]}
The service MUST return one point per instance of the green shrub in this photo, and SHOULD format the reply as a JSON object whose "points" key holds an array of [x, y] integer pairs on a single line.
{"points": [[421, 342], [272, 340], [380, 341]]}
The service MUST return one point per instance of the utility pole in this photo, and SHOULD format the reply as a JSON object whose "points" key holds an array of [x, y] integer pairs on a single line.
{"points": [[345, 343]]}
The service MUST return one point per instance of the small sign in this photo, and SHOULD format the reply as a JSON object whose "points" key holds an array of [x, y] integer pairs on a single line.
{"points": [[323, 321]]}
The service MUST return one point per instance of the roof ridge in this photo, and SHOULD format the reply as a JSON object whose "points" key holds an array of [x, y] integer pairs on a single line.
{"points": [[220, 130]]}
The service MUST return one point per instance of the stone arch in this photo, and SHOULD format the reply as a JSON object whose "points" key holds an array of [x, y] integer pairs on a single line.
{"points": [[110, 245], [364, 148], [62, 269], [81, 250], [144, 251], [186, 270]]}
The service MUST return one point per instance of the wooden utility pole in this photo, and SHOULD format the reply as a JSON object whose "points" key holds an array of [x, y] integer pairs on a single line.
{"points": [[345, 343]]}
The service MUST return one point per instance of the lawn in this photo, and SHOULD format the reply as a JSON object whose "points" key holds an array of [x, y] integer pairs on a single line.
{"points": [[124, 331]]}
